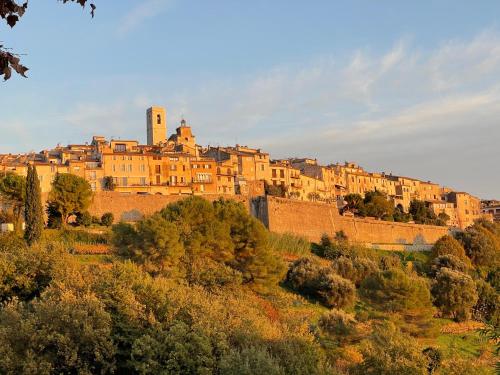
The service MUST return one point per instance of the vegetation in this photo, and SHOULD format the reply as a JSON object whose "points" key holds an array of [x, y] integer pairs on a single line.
{"points": [[200, 287], [13, 192], [70, 195], [33, 211]]}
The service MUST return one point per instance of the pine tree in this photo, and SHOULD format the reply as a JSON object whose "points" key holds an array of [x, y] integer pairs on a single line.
{"points": [[33, 211]]}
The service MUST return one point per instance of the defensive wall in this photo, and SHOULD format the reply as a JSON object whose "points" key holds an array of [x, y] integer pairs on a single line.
{"points": [[307, 219], [312, 220]]}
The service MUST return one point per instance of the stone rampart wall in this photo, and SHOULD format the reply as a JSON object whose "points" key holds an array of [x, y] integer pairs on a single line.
{"points": [[312, 220]]}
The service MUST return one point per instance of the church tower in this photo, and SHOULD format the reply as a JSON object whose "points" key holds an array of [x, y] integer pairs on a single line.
{"points": [[156, 119]]}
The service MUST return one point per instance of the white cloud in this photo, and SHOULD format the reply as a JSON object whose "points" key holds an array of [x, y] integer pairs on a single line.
{"points": [[431, 113], [140, 13]]}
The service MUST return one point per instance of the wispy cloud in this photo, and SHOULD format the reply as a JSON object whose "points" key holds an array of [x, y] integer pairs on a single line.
{"points": [[140, 13], [431, 113]]}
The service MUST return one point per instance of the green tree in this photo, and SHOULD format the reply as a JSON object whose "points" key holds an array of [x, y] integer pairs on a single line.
{"points": [[449, 261], [355, 270], [33, 210], [421, 213], [487, 307], [83, 219], [60, 333], [249, 361], [481, 246], [177, 350], [395, 291], [153, 242], [107, 219], [354, 202], [454, 294], [390, 352], [377, 205], [447, 245], [70, 194], [310, 278], [13, 192]]}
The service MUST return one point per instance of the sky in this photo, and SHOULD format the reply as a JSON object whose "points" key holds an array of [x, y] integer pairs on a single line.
{"points": [[409, 88]]}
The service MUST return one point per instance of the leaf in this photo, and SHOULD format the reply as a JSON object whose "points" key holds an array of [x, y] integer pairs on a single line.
{"points": [[7, 73], [12, 20]]}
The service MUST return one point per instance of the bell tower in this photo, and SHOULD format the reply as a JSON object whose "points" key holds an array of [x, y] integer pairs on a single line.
{"points": [[156, 120]]}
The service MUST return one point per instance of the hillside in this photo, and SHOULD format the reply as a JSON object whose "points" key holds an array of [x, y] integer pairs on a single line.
{"points": [[204, 288]]}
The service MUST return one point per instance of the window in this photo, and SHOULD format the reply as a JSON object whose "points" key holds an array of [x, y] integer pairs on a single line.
{"points": [[114, 168], [124, 181], [143, 181], [120, 147], [77, 169], [282, 173], [203, 177], [93, 186], [183, 168], [158, 169], [262, 167], [274, 173], [123, 167], [173, 180], [143, 168], [173, 167], [130, 158], [92, 175], [130, 167], [158, 181], [158, 119]]}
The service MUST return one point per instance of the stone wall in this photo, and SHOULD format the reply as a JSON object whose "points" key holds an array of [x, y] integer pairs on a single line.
{"points": [[312, 220], [132, 207]]}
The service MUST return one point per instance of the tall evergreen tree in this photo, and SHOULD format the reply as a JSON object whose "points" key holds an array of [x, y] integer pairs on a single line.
{"points": [[33, 211]]}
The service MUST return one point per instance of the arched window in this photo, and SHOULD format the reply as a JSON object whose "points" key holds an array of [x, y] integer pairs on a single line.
{"points": [[158, 119]]}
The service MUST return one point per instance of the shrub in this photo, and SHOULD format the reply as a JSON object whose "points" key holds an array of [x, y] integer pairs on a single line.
{"points": [[449, 261], [393, 290], [487, 307], [447, 245], [338, 324], [355, 270], [454, 294], [309, 278], [388, 262], [390, 352], [334, 290], [481, 246], [83, 219], [107, 219], [249, 361]]}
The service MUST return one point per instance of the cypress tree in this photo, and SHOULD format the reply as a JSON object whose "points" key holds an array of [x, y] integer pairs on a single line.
{"points": [[33, 211]]}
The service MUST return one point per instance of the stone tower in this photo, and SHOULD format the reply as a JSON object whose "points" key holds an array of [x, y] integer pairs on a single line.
{"points": [[156, 119]]}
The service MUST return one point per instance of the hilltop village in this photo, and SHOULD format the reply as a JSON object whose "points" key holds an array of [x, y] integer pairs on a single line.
{"points": [[177, 165]]}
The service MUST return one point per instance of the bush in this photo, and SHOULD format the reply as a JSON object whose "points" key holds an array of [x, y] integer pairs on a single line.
{"points": [[107, 219], [393, 290], [388, 262], [454, 294], [390, 352], [334, 290], [487, 307], [449, 261], [355, 270], [249, 361], [310, 278], [338, 324], [481, 246], [83, 219], [447, 245]]}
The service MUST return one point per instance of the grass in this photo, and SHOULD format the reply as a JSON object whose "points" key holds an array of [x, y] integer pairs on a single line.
{"points": [[289, 244], [94, 259]]}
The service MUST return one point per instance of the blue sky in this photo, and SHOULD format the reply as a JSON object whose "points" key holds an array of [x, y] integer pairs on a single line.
{"points": [[411, 88]]}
